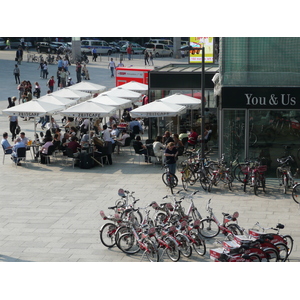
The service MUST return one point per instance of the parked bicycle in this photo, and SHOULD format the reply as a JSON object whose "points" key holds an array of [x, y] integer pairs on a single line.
{"points": [[284, 174], [169, 179]]}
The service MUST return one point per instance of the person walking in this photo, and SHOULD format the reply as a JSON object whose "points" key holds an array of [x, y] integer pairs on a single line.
{"points": [[19, 55], [78, 72], [171, 157], [13, 123], [7, 44], [151, 58], [51, 83], [112, 67], [45, 70], [146, 57], [94, 51], [129, 51], [17, 74]]}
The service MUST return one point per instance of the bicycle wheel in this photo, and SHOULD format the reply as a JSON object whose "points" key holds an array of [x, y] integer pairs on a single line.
{"points": [[128, 243], [120, 230], [161, 218], [136, 215], [289, 242], [283, 251], [271, 254], [107, 234], [296, 193], [184, 181], [209, 228], [172, 249], [203, 181], [184, 245], [199, 244], [252, 138], [254, 258], [151, 250], [235, 229]]}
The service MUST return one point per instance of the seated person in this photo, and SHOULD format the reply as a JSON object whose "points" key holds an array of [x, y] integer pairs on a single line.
{"points": [[70, 123], [121, 141], [5, 144], [18, 144], [47, 136], [56, 141], [192, 138], [115, 131], [167, 138], [158, 146], [74, 145], [84, 142], [23, 138], [140, 148], [44, 149], [52, 125]]}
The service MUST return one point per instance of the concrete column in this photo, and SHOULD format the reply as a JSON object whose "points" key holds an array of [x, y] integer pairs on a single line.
{"points": [[76, 47], [176, 47]]}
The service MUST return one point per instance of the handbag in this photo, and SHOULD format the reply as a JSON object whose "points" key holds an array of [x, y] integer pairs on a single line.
{"points": [[18, 129]]}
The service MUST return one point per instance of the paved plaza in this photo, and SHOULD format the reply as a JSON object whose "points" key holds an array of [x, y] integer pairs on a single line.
{"points": [[51, 213]]}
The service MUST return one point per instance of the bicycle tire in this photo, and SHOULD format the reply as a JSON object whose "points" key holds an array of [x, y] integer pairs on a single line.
{"points": [[137, 216], [271, 254], [184, 181], [254, 258], [128, 244], [199, 244], [235, 229], [283, 251], [296, 193], [172, 249], [151, 250], [107, 234], [209, 228], [160, 219], [289, 242], [184, 245], [203, 181], [170, 179]]}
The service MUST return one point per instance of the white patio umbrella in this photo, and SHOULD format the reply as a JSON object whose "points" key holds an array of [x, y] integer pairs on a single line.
{"points": [[65, 102], [72, 94], [33, 108], [89, 109], [88, 87], [181, 99], [135, 86], [112, 101], [123, 93], [158, 109]]}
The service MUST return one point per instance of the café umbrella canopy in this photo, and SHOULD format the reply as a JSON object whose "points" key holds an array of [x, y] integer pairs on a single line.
{"points": [[88, 87], [117, 102], [65, 102], [135, 86], [158, 108], [89, 109], [33, 109], [72, 94], [123, 93], [181, 99]]}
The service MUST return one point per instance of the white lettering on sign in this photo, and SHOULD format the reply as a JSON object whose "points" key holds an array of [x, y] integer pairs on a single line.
{"points": [[284, 99]]}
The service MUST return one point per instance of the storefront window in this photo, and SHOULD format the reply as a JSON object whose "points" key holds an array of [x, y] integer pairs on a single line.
{"points": [[233, 137]]}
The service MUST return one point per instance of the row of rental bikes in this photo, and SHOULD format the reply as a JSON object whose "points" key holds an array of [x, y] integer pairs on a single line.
{"points": [[251, 174], [171, 229]]}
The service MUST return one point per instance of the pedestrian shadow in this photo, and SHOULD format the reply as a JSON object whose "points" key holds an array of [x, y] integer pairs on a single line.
{"points": [[5, 258]]}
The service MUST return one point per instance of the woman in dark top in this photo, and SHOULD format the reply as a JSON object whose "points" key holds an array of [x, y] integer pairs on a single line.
{"points": [[171, 157]]}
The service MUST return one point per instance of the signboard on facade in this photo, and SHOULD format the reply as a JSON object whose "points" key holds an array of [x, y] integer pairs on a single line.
{"points": [[261, 97], [195, 54]]}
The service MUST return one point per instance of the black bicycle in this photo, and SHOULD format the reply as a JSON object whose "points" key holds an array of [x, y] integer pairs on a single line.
{"points": [[169, 179]]}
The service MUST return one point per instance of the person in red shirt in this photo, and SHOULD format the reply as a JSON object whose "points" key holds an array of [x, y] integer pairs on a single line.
{"points": [[129, 51], [192, 138], [74, 145], [51, 83]]}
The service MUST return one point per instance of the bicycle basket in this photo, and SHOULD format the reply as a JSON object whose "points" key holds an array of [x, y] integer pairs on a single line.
{"points": [[295, 125], [245, 170], [154, 205], [183, 225], [262, 168], [172, 229], [196, 224], [102, 214], [169, 206]]}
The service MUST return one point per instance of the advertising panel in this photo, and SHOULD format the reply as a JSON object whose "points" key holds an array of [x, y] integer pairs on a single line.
{"points": [[195, 54]]}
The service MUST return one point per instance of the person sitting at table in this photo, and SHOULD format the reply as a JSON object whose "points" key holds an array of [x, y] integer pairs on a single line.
{"points": [[64, 142], [167, 138], [120, 142], [47, 136], [52, 125], [18, 144], [97, 127], [74, 145], [192, 138], [56, 141], [23, 138], [5, 144], [73, 131], [140, 148], [158, 146], [84, 142], [111, 122], [44, 149], [115, 131], [70, 123], [84, 126]]}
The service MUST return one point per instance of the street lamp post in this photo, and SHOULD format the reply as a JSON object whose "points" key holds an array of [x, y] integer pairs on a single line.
{"points": [[202, 101]]}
